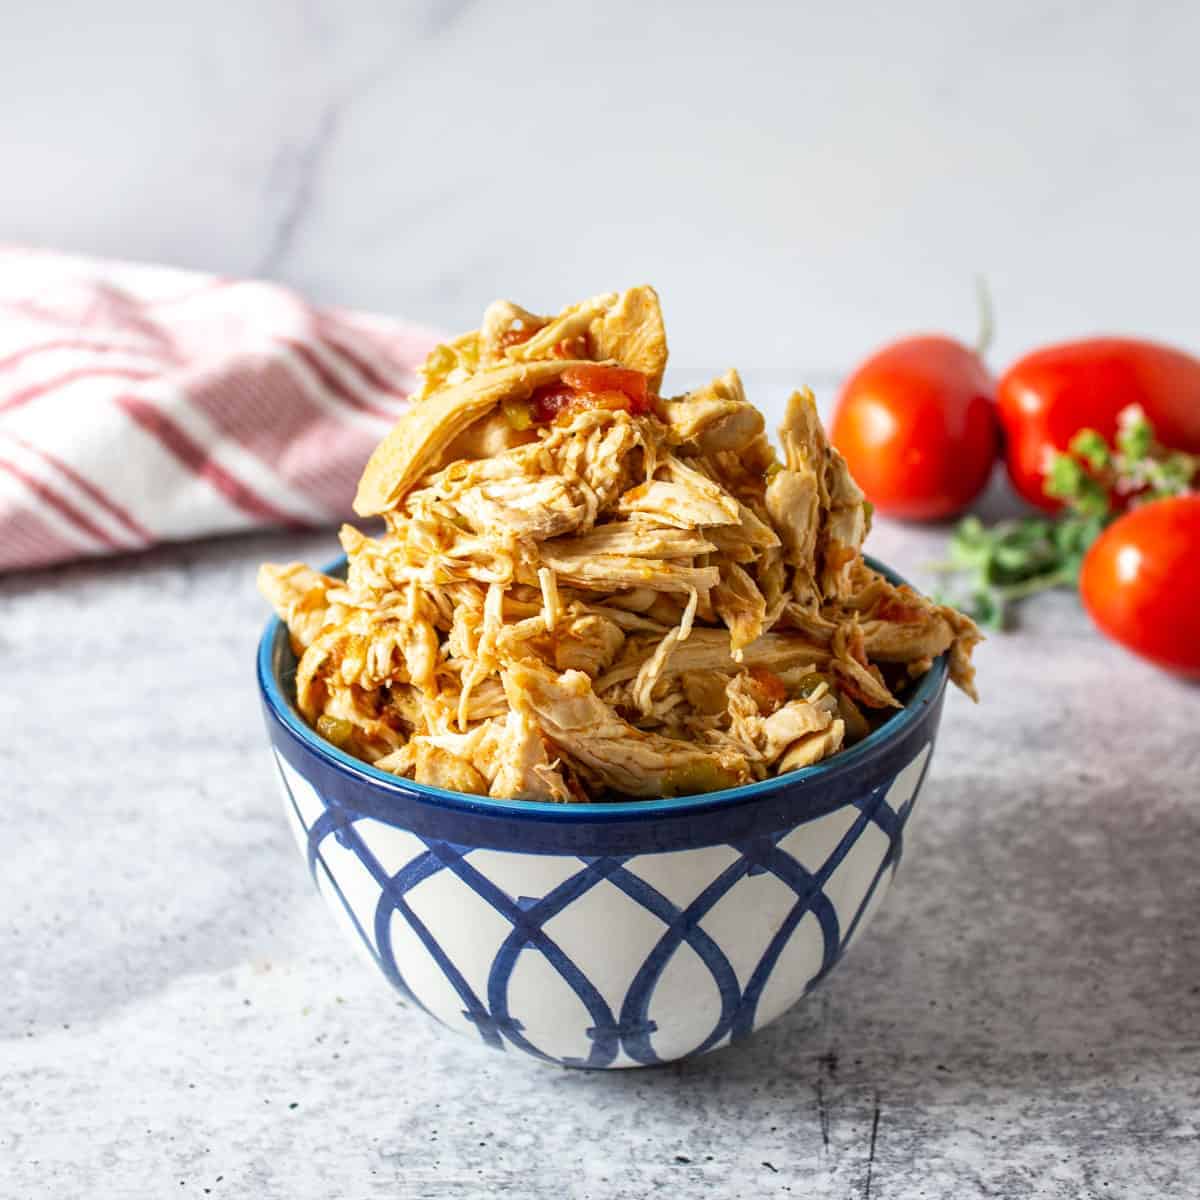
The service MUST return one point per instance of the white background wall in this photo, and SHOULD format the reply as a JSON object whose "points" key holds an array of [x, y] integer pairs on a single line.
{"points": [[800, 180]]}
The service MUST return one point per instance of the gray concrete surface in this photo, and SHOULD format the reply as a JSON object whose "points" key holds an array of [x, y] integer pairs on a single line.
{"points": [[181, 1017]]}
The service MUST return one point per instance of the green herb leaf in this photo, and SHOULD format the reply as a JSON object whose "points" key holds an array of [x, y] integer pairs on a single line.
{"points": [[1135, 434], [1092, 448], [1064, 477], [986, 609], [1010, 560]]}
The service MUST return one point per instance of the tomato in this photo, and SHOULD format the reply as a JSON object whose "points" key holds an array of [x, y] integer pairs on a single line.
{"points": [[767, 689], [1141, 582], [599, 378], [595, 386], [916, 424], [547, 402], [1046, 397]]}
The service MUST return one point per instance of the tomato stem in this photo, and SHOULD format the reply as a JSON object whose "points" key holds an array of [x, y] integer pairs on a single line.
{"points": [[987, 317], [1060, 577]]}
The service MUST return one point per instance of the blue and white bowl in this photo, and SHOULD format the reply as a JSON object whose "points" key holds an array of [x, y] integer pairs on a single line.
{"points": [[602, 935]]}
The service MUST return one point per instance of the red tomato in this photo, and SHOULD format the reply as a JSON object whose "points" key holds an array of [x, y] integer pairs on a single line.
{"points": [[767, 689], [916, 424], [1046, 397], [547, 402], [596, 377], [592, 385], [1141, 582]]}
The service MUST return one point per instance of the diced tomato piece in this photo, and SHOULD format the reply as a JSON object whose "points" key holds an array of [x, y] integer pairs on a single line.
{"points": [[596, 378], [549, 401], [768, 690], [592, 386]]}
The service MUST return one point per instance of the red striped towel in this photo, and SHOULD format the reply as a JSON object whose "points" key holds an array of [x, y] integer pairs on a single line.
{"points": [[145, 404]]}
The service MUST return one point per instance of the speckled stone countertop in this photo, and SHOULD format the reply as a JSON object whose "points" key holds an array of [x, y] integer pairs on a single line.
{"points": [[181, 1018]]}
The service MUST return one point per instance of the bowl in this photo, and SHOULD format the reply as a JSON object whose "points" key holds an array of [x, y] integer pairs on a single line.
{"points": [[602, 935]]}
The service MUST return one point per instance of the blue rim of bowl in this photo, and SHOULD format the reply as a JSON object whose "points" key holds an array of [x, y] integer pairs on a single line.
{"points": [[870, 748]]}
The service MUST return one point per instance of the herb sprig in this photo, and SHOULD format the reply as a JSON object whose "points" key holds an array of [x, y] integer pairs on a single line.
{"points": [[992, 567]]}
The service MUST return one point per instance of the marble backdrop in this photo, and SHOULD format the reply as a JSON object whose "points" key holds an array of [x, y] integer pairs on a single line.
{"points": [[800, 180]]}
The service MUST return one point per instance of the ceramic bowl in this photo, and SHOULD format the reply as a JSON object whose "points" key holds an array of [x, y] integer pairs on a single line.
{"points": [[602, 935]]}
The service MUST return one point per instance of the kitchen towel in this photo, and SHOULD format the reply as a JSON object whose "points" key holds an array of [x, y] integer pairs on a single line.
{"points": [[144, 404]]}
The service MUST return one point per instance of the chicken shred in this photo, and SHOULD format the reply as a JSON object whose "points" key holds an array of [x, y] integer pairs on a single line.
{"points": [[583, 590]]}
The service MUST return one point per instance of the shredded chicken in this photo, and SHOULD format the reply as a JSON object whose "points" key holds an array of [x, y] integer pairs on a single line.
{"points": [[583, 590], [619, 755], [300, 596]]}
